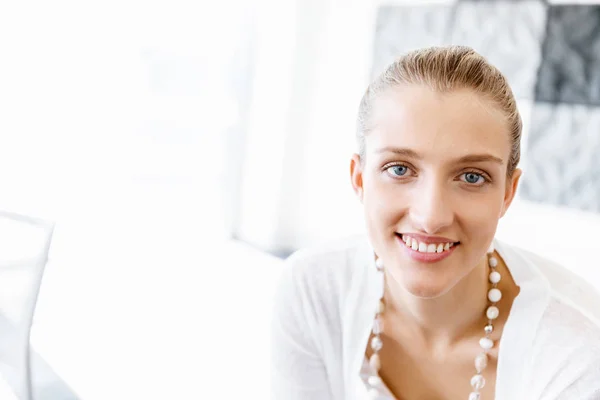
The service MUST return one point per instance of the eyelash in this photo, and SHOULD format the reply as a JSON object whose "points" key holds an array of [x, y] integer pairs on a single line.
{"points": [[390, 166], [486, 177]]}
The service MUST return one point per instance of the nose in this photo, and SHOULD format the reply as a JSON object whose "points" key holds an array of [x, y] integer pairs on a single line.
{"points": [[431, 210]]}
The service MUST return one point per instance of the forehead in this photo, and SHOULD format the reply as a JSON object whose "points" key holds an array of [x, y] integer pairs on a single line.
{"points": [[442, 125]]}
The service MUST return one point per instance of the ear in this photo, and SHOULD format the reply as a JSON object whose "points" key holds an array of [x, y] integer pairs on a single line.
{"points": [[511, 190], [356, 176]]}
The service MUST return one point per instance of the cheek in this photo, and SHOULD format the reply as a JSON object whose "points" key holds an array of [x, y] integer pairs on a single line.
{"points": [[479, 215], [383, 202]]}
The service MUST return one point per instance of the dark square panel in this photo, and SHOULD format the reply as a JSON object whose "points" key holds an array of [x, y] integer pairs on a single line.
{"points": [[570, 68]]}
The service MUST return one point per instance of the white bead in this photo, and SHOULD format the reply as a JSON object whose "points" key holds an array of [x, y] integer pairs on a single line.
{"points": [[376, 343], [374, 380], [377, 326], [379, 264], [375, 362], [494, 295], [492, 312], [373, 393], [474, 396], [495, 276], [481, 361], [486, 343], [478, 382], [491, 248], [380, 307], [493, 262]]}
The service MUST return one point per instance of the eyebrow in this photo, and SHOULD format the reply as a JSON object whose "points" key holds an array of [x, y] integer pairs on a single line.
{"points": [[400, 151], [474, 158], [471, 158]]}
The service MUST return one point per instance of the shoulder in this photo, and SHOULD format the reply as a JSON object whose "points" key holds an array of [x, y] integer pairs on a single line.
{"points": [[565, 351], [569, 291], [565, 326], [335, 253], [314, 285], [328, 267], [565, 362], [571, 313]]}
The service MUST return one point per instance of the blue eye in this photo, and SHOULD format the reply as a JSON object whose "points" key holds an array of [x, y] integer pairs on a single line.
{"points": [[398, 170], [473, 178]]}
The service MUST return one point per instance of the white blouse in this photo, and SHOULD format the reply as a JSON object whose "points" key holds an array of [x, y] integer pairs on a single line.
{"points": [[325, 305]]}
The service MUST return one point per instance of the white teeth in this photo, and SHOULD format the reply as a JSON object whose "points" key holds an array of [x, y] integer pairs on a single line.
{"points": [[426, 247]]}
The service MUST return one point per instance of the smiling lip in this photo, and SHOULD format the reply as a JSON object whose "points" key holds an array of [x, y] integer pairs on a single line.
{"points": [[429, 239], [427, 257]]}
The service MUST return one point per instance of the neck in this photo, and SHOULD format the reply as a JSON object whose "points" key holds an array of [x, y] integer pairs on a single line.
{"points": [[444, 320]]}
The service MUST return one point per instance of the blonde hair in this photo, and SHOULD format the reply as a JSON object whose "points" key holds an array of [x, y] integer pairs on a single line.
{"points": [[445, 69]]}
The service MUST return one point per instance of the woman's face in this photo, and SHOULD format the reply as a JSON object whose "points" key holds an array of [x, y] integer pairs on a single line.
{"points": [[433, 184]]}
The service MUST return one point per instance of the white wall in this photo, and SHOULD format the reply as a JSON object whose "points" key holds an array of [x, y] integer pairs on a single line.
{"points": [[302, 137], [113, 112], [111, 121]]}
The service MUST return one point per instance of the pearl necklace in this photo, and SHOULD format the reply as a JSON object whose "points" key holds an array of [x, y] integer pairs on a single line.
{"points": [[481, 360]]}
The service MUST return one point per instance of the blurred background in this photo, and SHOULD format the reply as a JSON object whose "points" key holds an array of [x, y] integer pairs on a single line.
{"points": [[184, 148]]}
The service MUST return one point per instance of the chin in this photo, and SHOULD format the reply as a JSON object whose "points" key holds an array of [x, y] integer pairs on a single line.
{"points": [[427, 291], [424, 285]]}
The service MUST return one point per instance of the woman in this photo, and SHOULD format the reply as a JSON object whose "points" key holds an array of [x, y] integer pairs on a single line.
{"points": [[429, 305]]}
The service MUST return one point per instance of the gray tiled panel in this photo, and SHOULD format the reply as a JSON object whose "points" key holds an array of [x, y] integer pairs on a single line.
{"points": [[570, 70], [508, 34], [563, 156], [404, 28]]}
